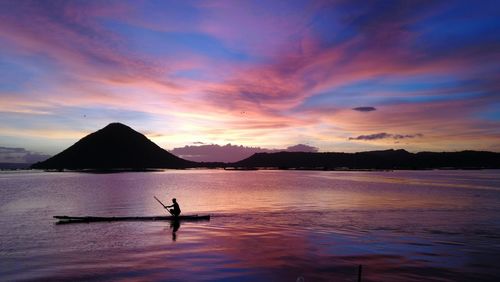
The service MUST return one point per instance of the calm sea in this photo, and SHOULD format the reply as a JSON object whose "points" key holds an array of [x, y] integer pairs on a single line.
{"points": [[265, 226]]}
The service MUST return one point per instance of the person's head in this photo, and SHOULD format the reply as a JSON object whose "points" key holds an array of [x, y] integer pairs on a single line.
{"points": [[174, 200]]}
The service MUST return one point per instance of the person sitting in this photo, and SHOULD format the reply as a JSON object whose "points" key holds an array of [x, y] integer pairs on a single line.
{"points": [[176, 211]]}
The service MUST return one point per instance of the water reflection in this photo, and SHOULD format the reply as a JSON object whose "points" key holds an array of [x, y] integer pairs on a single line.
{"points": [[175, 225], [265, 225]]}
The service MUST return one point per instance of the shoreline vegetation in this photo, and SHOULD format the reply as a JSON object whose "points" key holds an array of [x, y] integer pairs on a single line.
{"points": [[119, 148]]}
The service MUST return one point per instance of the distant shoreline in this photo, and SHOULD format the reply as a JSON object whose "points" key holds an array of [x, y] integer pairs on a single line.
{"points": [[110, 171]]}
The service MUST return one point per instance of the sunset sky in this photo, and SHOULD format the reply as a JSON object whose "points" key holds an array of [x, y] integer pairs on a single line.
{"points": [[337, 75]]}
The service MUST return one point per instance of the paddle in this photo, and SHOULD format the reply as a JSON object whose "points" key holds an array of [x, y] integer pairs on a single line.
{"points": [[163, 205]]}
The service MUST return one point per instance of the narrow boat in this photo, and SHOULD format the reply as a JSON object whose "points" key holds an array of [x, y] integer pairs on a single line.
{"points": [[86, 219]]}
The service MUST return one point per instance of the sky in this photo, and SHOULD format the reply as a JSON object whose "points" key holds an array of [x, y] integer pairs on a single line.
{"points": [[342, 76]]}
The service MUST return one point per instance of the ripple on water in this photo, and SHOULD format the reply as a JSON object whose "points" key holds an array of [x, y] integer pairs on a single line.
{"points": [[270, 226]]}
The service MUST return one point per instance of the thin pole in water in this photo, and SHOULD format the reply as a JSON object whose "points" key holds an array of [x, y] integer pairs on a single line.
{"points": [[163, 205], [360, 268]]}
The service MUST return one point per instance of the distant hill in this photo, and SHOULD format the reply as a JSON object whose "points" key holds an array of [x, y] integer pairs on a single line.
{"points": [[118, 146], [115, 146], [387, 159], [12, 166]]}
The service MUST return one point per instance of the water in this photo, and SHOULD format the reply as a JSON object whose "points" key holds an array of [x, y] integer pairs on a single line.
{"points": [[265, 225]]}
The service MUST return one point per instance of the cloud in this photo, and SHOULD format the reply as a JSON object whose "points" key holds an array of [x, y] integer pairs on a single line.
{"points": [[20, 155], [365, 109], [229, 152], [216, 153], [302, 148], [383, 135], [399, 136]]}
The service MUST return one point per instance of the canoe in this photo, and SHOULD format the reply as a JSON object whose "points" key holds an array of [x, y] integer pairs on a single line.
{"points": [[86, 219]]}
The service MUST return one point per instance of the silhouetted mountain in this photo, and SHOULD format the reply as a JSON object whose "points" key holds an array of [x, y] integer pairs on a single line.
{"points": [[115, 146], [118, 146], [388, 159]]}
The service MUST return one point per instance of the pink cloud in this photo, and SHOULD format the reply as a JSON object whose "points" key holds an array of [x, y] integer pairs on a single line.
{"points": [[230, 153]]}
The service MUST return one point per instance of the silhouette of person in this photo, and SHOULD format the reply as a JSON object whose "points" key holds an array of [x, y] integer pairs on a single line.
{"points": [[176, 209]]}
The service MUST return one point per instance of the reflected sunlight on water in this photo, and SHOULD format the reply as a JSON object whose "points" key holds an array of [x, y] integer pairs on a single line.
{"points": [[266, 225]]}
